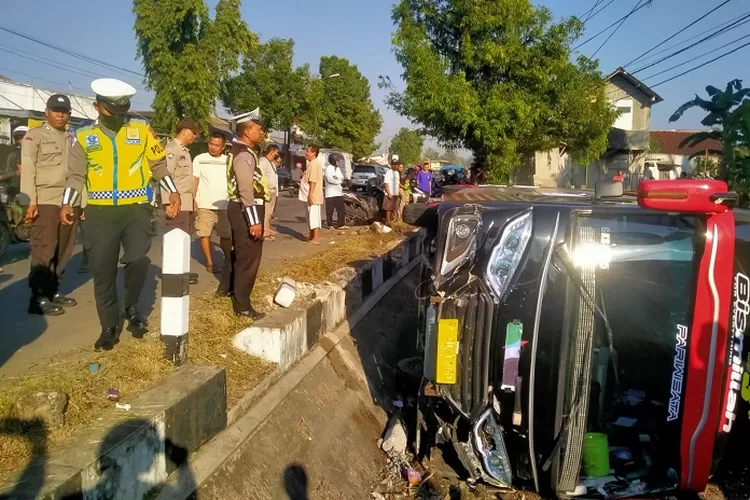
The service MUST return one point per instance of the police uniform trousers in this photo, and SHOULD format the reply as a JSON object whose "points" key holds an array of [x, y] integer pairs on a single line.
{"points": [[245, 262], [52, 246], [107, 229]]}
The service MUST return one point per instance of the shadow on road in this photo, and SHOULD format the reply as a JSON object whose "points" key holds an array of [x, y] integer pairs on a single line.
{"points": [[296, 482], [133, 462]]}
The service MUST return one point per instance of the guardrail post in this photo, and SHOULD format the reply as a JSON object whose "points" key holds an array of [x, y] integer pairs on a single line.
{"points": [[175, 295]]}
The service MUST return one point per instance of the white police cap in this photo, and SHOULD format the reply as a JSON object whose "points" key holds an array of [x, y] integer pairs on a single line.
{"points": [[21, 129], [112, 89], [252, 116]]}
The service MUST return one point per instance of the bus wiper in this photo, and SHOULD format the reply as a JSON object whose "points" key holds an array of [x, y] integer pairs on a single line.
{"points": [[570, 271]]}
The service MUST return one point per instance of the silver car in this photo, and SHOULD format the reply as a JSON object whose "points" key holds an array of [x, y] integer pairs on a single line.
{"points": [[363, 173]]}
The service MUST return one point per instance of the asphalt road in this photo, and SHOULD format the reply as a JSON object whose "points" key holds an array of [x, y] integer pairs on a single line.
{"points": [[27, 342]]}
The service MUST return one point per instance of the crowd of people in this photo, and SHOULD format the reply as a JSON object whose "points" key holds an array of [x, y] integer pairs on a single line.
{"points": [[104, 183]]}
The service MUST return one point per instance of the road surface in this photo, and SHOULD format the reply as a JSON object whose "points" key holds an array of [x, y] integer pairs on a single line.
{"points": [[27, 342]]}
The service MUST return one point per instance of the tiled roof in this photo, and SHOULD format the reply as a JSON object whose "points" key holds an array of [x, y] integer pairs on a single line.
{"points": [[669, 143]]}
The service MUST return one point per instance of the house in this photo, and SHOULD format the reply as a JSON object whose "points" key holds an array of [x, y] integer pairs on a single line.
{"points": [[669, 160], [628, 141]]}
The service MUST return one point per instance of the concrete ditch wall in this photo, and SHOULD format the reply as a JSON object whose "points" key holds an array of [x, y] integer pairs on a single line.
{"points": [[126, 455], [285, 335]]}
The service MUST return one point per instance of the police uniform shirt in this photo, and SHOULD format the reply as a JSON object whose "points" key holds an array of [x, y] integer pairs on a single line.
{"points": [[78, 165], [180, 167], [44, 165]]}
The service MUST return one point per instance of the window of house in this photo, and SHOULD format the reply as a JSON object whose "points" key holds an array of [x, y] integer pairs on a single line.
{"points": [[625, 120]]}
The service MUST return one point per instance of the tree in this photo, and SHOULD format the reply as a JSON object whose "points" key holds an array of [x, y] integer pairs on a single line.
{"points": [[186, 54], [269, 81], [495, 77], [729, 115], [339, 112], [451, 157], [705, 168], [432, 154], [407, 144]]}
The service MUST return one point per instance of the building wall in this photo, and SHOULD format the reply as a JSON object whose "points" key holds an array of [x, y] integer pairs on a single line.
{"points": [[618, 89]]}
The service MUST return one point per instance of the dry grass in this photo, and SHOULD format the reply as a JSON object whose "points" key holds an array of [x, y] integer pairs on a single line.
{"points": [[139, 364]]}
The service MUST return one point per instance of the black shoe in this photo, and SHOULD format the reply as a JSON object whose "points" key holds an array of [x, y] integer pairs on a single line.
{"points": [[135, 318], [251, 314], [107, 340], [221, 294], [43, 306], [193, 278], [62, 300]]}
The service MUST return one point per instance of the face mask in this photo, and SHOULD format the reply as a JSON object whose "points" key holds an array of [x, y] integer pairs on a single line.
{"points": [[113, 122]]}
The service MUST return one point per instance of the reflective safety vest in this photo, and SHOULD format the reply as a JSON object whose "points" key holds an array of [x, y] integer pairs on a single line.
{"points": [[260, 186], [119, 167]]}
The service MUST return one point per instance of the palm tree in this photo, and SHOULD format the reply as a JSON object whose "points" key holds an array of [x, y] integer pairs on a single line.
{"points": [[728, 116]]}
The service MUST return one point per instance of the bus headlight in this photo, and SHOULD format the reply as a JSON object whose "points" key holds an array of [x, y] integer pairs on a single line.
{"points": [[508, 252]]}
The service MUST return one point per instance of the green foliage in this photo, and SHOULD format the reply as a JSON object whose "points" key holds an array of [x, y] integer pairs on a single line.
{"points": [[495, 77], [339, 112], [705, 168], [186, 54], [728, 114], [653, 146], [432, 154], [407, 144], [269, 81]]}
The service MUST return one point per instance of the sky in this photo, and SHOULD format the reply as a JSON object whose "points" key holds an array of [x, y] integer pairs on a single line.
{"points": [[360, 30]]}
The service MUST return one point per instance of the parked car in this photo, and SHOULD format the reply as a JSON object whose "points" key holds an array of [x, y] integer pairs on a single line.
{"points": [[363, 173], [587, 345]]}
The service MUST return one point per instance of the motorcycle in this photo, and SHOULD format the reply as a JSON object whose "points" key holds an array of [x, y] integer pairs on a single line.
{"points": [[13, 227], [364, 208], [293, 188]]}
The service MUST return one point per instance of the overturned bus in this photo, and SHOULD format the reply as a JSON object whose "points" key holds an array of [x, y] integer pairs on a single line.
{"points": [[586, 345]]}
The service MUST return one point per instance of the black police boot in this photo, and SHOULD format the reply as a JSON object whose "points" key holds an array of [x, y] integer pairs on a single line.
{"points": [[251, 314], [107, 340], [43, 306], [135, 318], [62, 300]]}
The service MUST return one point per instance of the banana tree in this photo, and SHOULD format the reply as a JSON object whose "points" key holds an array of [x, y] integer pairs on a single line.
{"points": [[729, 119]]}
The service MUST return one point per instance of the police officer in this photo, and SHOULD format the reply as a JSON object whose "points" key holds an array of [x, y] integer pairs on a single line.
{"points": [[10, 171], [115, 159], [44, 164], [247, 196], [180, 166]]}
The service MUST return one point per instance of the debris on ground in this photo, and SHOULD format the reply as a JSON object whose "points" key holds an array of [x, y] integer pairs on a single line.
{"points": [[113, 395], [123, 406], [380, 228], [286, 293], [394, 439], [50, 406], [94, 367]]}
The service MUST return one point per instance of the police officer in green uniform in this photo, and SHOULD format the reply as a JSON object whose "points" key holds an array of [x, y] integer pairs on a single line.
{"points": [[247, 197], [114, 160]]}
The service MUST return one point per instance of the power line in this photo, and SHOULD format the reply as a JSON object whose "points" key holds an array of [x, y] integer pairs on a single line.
{"points": [[735, 24], [699, 19], [701, 65], [697, 35], [696, 57], [611, 25], [635, 7], [588, 13], [69, 52], [600, 9]]}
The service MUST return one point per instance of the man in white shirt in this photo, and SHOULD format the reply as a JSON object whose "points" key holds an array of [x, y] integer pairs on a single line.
{"points": [[268, 166], [210, 178], [392, 182], [334, 193]]}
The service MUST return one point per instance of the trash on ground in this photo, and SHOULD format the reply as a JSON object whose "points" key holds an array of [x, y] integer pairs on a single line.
{"points": [[394, 438], [286, 292], [412, 476], [113, 395], [123, 406], [94, 367]]}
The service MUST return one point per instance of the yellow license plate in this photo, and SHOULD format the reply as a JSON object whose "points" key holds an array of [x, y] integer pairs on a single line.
{"points": [[447, 351]]}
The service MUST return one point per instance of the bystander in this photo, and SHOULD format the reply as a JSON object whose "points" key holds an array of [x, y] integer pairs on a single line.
{"points": [[334, 193], [392, 184], [314, 179], [268, 166]]}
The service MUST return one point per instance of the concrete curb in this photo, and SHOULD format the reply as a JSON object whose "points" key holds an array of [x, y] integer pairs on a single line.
{"points": [[214, 454], [125, 455], [285, 335]]}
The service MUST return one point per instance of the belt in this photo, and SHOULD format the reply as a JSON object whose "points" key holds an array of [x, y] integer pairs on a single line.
{"points": [[256, 201]]}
